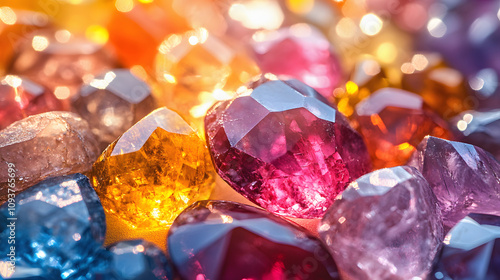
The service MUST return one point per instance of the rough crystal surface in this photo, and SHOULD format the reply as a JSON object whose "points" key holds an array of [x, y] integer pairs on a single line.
{"points": [[19, 98], [385, 225], [393, 122], [45, 145], [284, 149], [228, 240], [471, 250], [465, 178], [153, 171], [59, 227], [112, 103], [299, 51]]}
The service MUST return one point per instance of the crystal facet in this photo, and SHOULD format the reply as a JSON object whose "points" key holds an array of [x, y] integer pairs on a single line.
{"points": [[284, 149], [385, 225], [19, 98], [112, 103], [45, 145], [465, 178], [153, 171], [299, 51], [228, 240], [471, 250], [393, 122], [59, 227]]}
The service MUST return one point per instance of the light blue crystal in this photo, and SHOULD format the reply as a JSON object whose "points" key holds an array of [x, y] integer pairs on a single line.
{"points": [[59, 229]]}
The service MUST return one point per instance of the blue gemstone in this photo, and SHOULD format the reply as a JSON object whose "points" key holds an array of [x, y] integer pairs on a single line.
{"points": [[59, 227]]}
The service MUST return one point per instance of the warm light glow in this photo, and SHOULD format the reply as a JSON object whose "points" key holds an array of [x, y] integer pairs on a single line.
{"points": [[407, 68], [258, 14], [40, 43], [436, 27], [346, 28], [226, 219], [169, 78], [7, 16], [420, 62], [62, 36], [146, 1], [103, 83], [342, 220], [403, 146], [5, 269], [12, 80], [62, 92], [139, 248], [97, 34], [468, 118], [462, 125], [387, 52], [371, 24], [351, 87], [124, 6], [300, 6]]}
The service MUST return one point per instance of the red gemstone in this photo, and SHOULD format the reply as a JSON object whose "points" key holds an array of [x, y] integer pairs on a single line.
{"points": [[19, 98], [284, 149]]}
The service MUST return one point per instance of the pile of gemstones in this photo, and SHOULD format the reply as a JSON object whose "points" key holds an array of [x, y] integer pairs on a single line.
{"points": [[249, 139]]}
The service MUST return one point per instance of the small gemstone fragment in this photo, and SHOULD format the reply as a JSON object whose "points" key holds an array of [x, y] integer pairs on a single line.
{"points": [[465, 178], [283, 149], [196, 69], [393, 122], [244, 243], [112, 102], [45, 145], [60, 226], [385, 225], [20, 98], [481, 129], [301, 52], [153, 171], [471, 250]]}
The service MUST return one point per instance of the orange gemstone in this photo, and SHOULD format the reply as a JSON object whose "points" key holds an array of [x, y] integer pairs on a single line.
{"points": [[393, 122], [443, 88]]}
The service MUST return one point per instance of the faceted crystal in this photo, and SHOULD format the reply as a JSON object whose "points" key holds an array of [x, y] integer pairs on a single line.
{"points": [[59, 226], [153, 171], [385, 225], [479, 128], [19, 98], [60, 61], [196, 69], [284, 149], [299, 51], [465, 178], [471, 250], [228, 240], [393, 122], [112, 103], [45, 145]]}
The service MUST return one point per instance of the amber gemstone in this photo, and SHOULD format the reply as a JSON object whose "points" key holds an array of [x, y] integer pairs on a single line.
{"points": [[19, 98], [196, 69], [393, 122], [153, 171], [112, 103]]}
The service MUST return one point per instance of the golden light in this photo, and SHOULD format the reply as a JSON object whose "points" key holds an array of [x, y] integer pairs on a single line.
{"points": [[346, 28], [420, 62], [258, 14], [62, 36], [97, 34], [7, 15], [62, 92], [39, 43], [371, 24], [300, 6], [124, 6], [387, 52], [12, 80], [462, 125]]}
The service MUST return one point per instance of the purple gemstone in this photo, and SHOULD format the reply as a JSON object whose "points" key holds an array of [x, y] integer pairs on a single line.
{"points": [[385, 225], [471, 250], [227, 240], [465, 178]]}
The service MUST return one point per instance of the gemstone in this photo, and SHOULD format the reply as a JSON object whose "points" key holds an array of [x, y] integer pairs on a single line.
{"points": [[393, 122], [112, 102], [471, 250], [244, 243], [479, 128], [465, 178], [385, 225], [19, 98], [45, 145], [196, 69], [153, 171], [136, 260], [443, 88], [301, 52], [58, 225], [60, 61], [283, 149]]}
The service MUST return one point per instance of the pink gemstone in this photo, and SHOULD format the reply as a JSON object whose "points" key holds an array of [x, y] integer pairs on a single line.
{"points": [[301, 52], [284, 149], [20, 98]]}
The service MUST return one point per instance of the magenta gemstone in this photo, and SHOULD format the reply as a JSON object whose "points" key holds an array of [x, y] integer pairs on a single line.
{"points": [[471, 250], [301, 52], [465, 178], [284, 149], [227, 240], [385, 225]]}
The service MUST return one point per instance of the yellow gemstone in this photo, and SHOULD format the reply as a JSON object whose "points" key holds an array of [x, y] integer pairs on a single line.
{"points": [[196, 69], [153, 171]]}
